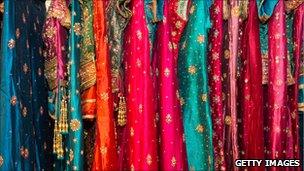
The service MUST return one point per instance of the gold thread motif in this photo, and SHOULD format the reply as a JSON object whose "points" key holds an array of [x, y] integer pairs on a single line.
{"points": [[75, 125]]}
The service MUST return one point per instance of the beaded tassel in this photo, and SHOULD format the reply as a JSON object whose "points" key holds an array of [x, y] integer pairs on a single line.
{"points": [[59, 146], [122, 110], [55, 144], [63, 125]]}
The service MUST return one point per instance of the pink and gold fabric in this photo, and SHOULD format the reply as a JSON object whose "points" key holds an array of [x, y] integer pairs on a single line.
{"points": [[172, 147], [215, 81], [141, 114]]}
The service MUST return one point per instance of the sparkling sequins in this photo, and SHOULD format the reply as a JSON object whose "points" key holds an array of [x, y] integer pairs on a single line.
{"points": [[11, 43], [173, 162], [75, 125], [13, 100], [167, 72], [168, 118], [228, 120], [199, 128], [149, 159], [201, 39], [204, 97], [192, 69], [103, 150]]}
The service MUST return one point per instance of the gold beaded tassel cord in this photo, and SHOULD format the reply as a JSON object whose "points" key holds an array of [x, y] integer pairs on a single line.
{"points": [[55, 140], [63, 125], [122, 112]]}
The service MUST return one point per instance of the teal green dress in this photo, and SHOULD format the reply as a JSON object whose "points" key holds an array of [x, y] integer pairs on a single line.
{"points": [[192, 73], [74, 140]]}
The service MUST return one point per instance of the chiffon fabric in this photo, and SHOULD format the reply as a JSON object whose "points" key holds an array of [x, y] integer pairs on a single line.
{"points": [[193, 85], [24, 121]]}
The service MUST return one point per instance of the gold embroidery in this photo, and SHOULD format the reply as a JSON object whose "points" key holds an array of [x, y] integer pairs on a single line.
{"points": [[71, 155], [192, 9], [199, 128], [51, 72], [24, 152], [139, 34], [204, 97], [50, 31], [167, 72], [149, 159], [168, 118], [228, 120], [182, 9], [178, 24], [182, 101], [77, 29], [13, 100], [201, 39], [103, 150], [138, 62], [25, 68], [140, 108], [173, 162], [235, 11], [61, 12], [11, 43], [279, 82], [24, 112], [104, 96], [192, 69], [75, 125], [17, 33], [87, 71], [131, 131], [227, 54]]}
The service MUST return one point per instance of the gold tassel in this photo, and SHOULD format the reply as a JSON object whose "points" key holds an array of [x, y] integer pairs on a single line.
{"points": [[63, 122], [226, 10], [154, 11], [122, 110], [55, 144], [60, 146]]}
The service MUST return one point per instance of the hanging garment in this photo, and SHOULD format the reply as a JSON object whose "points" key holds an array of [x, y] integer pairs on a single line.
{"points": [[172, 148], [74, 139], [298, 39], [105, 154], [192, 73], [87, 75], [24, 122], [118, 15], [215, 54], [141, 114], [55, 38], [252, 141], [87, 70], [277, 88]]}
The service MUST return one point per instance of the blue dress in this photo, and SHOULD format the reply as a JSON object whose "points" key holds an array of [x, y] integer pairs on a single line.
{"points": [[24, 121]]}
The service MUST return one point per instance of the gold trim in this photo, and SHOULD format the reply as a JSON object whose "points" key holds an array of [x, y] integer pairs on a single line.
{"points": [[88, 117], [88, 101]]}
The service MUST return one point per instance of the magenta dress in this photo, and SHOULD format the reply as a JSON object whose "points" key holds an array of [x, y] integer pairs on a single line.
{"points": [[172, 147]]}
